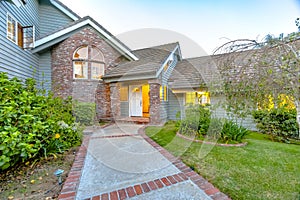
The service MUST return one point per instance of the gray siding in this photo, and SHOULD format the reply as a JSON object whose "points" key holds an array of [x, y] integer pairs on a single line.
{"points": [[14, 60], [164, 107], [175, 105], [163, 110], [51, 19], [218, 101], [124, 109], [45, 71]]}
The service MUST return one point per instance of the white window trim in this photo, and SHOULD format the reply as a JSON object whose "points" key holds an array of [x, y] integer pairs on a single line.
{"points": [[16, 31], [18, 3], [16, 27], [87, 71]]}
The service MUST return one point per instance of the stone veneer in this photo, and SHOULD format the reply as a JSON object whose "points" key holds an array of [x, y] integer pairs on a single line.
{"points": [[154, 103], [94, 91], [115, 100]]}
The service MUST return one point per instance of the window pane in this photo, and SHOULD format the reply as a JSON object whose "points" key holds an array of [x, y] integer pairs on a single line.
{"points": [[190, 98], [81, 53], [80, 69], [165, 93], [161, 94], [124, 94], [96, 55], [11, 28], [97, 70]]}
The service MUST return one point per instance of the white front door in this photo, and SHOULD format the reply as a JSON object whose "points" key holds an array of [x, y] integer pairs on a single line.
{"points": [[135, 97]]}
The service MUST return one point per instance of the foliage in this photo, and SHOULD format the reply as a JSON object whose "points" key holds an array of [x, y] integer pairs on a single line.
{"points": [[231, 131], [253, 71], [85, 112], [260, 170], [280, 122], [32, 124], [197, 120]]}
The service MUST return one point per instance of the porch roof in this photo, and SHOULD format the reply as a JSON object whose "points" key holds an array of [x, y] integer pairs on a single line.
{"points": [[149, 61]]}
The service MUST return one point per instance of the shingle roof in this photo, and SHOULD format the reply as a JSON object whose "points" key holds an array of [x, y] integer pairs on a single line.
{"points": [[150, 60], [194, 73]]}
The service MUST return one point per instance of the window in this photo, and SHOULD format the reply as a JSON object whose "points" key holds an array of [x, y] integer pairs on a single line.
{"points": [[11, 28], [22, 36], [88, 59], [190, 97], [203, 98], [163, 93], [124, 93]]}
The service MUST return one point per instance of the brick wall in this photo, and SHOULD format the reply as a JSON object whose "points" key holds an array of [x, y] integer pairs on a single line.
{"points": [[63, 83]]}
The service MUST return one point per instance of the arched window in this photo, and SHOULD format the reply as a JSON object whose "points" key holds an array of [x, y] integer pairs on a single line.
{"points": [[88, 63]]}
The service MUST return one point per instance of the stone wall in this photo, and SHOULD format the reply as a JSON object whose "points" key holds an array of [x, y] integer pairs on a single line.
{"points": [[115, 100], [154, 103], [88, 90]]}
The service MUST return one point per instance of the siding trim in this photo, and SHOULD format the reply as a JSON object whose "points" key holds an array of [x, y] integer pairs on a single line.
{"points": [[164, 63], [40, 43], [64, 10]]}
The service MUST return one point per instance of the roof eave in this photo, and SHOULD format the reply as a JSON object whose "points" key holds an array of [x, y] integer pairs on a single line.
{"points": [[65, 10], [41, 44]]}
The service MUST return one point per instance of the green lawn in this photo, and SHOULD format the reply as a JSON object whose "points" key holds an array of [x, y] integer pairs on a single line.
{"points": [[261, 170]]}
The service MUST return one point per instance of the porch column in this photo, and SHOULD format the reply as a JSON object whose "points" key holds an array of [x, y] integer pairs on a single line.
{"points": [[115, 100], [154, 103], [102, 99]]}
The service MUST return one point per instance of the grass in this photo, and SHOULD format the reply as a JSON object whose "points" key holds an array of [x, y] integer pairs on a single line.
{"points": [[261, 170]]}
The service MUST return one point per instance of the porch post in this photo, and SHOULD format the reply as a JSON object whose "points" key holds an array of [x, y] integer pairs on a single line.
{"points": [[115, 100], [154, 103]]}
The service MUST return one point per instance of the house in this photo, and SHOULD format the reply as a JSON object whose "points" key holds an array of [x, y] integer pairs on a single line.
{"points": [[74, 56]]}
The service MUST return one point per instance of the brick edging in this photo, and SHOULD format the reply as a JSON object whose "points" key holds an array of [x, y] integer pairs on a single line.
{"points": [[202, 183], [71, 184], [211, 143]]}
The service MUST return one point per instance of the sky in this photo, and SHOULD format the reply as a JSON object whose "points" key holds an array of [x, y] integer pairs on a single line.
{"points": [[200, 26]]}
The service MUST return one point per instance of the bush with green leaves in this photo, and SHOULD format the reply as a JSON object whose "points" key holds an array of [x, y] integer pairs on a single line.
{"points": [[280, 122], [85, 112], [33, 124], [231, 131], [197, 120]]}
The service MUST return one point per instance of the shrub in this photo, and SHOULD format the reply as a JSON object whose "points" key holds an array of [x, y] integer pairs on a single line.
{"points": [[280, 123], [197, 120], [85, 113], [231, 131], [32, 124]]}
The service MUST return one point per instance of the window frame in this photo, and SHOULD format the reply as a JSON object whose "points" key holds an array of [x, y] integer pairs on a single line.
{"points": [[163, 93], [15, 28], [89, 62]]}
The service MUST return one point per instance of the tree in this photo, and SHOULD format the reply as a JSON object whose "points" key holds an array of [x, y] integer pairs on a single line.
{"points": [[256, 72]]}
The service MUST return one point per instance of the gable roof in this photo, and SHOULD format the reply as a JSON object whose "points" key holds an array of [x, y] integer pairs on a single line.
{"points": [[65, 9], [65, 32], [149, 62]]}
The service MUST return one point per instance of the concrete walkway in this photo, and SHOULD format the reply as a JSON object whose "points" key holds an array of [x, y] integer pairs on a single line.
{"points": [[118, 162]]}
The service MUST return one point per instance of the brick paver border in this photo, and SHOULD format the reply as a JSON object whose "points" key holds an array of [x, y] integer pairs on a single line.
{"points": [[71, 184]]}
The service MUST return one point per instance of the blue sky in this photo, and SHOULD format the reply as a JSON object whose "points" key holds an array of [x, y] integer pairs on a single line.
{"points": [[207, 24]]}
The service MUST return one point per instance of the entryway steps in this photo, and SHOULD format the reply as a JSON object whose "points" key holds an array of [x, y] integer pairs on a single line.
{"points": [[135, 120]]}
